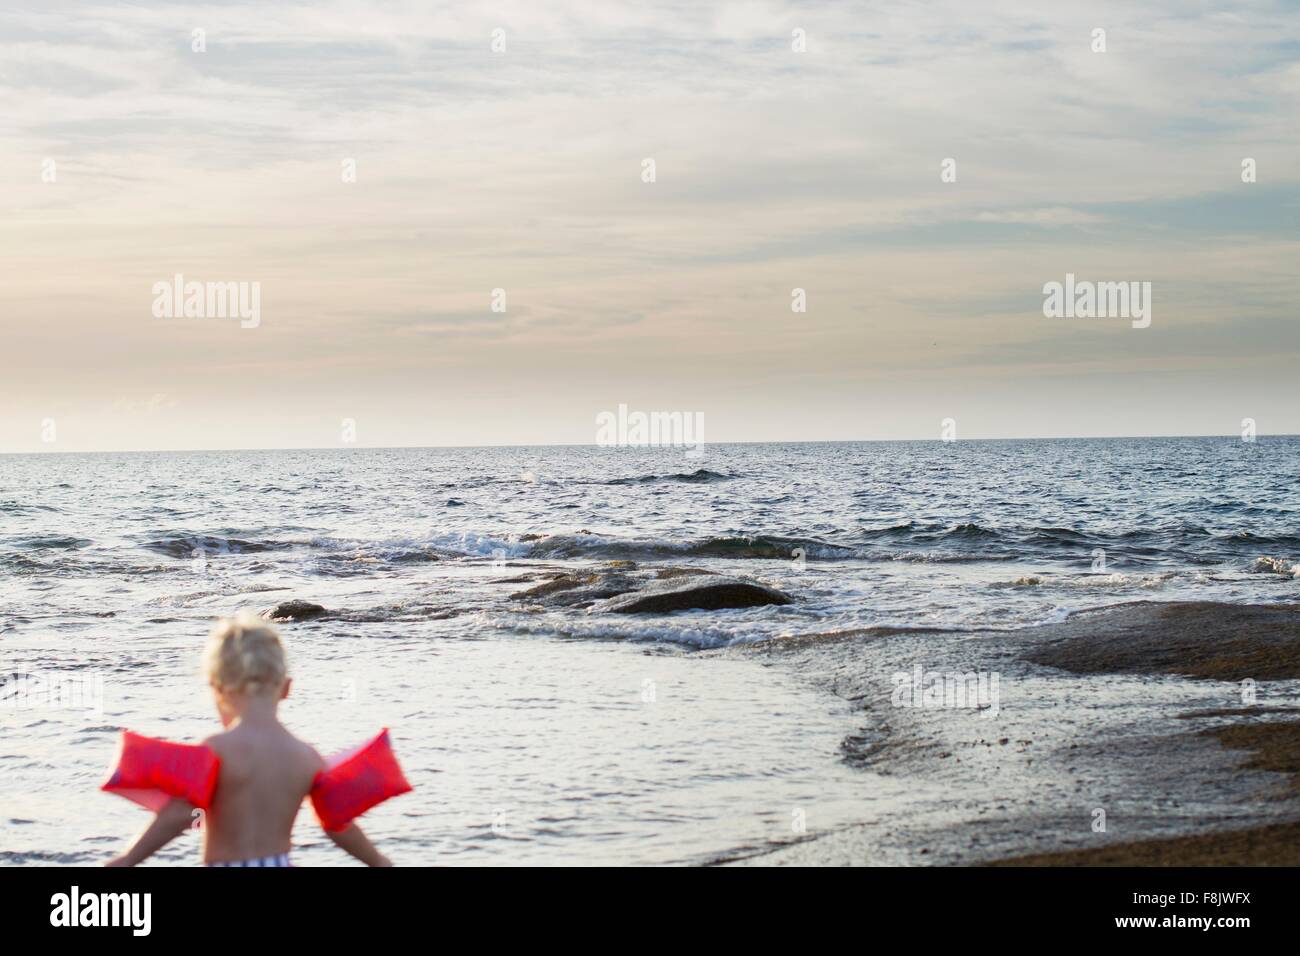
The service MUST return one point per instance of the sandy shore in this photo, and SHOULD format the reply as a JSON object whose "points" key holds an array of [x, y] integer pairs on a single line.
{"points": [[1271, 746], [1207, 641], [1135, 715], [1273, 845]]}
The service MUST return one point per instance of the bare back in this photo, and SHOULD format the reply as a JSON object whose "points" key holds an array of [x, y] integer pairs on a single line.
{"points": [[265, 774]]}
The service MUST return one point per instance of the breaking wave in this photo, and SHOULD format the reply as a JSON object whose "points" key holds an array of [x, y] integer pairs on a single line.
{"points": [[698, 477]]}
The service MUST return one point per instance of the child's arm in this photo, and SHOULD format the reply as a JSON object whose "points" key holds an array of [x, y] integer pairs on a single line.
{"points": [[172, 820], [358, 844]]}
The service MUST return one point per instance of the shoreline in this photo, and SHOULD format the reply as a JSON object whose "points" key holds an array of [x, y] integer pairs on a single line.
{"points": [[1264, 645], [1131, 717]]}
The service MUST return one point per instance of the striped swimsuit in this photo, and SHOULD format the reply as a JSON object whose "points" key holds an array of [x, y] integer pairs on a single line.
{"points": [[279, 859]]}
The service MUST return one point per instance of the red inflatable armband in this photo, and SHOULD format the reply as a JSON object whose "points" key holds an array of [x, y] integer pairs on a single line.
{"points": [[150, 772], [355, 781]]}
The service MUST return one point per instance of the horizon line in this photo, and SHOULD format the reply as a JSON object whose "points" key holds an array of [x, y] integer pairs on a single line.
{"points": [[665, 446]]}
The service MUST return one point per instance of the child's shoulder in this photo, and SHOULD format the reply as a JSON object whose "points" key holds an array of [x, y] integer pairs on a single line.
{"points": [[287, 748], [303, 752], [216, 742], [310, 755]]}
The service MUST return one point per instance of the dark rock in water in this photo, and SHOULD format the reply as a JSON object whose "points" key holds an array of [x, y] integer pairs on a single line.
{"points": [[708, 592], [666, 574], [531, 537], [577, 589], [1205, 639], [621, 588], [294, 611], [558, 582], [416, 556]]}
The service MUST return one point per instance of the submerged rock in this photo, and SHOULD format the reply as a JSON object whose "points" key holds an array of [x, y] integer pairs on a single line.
{"points": [[577, 589], [623, 589], [709, 592], [1205, 639], [665, 574], [294, 611]]}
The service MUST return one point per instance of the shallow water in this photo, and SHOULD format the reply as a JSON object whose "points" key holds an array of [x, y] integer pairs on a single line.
{"points": [[560, 736], [521, 750]]}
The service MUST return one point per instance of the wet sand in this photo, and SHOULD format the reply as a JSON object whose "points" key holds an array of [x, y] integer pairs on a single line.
{"points": [[1273, 746], [1207, 641], [1139, 709], [1276, 845]]}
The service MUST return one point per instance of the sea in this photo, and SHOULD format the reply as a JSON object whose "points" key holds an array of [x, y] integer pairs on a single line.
{"points": [[541, 735]]}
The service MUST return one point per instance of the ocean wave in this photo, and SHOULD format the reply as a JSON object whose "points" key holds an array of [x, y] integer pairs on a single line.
{"points": [[1249, 537], [697, 630], [698, 477], [931, 532], [61, 564], [895, 530], [184, 544], [1114, 581], [1183, 541], [55, 542], [945, 557], [689, 629], [1021, 538], [1271, 565], [1025, 581], [27, 564], [907, 542], [739, 547], [971, 530], [701, 476], [23, 508]]}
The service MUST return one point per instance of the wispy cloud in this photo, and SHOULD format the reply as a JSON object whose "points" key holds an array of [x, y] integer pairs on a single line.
{"points": [[521, 170]]}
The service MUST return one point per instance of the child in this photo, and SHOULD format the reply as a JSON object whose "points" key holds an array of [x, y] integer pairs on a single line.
{"points": [[265, 770]]}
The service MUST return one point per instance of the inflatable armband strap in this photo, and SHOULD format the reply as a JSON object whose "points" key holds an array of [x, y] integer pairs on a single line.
{"points": [[354, 781], [150, 772]]}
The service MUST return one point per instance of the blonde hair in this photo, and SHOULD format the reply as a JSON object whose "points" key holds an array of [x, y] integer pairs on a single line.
{"points": [[245, 654]]}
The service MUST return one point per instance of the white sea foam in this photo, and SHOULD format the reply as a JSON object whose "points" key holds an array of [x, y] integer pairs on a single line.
{"points": [[1273, 565]]}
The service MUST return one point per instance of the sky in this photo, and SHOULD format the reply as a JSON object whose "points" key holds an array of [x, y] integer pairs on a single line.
{"points": [[127, 157]]}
